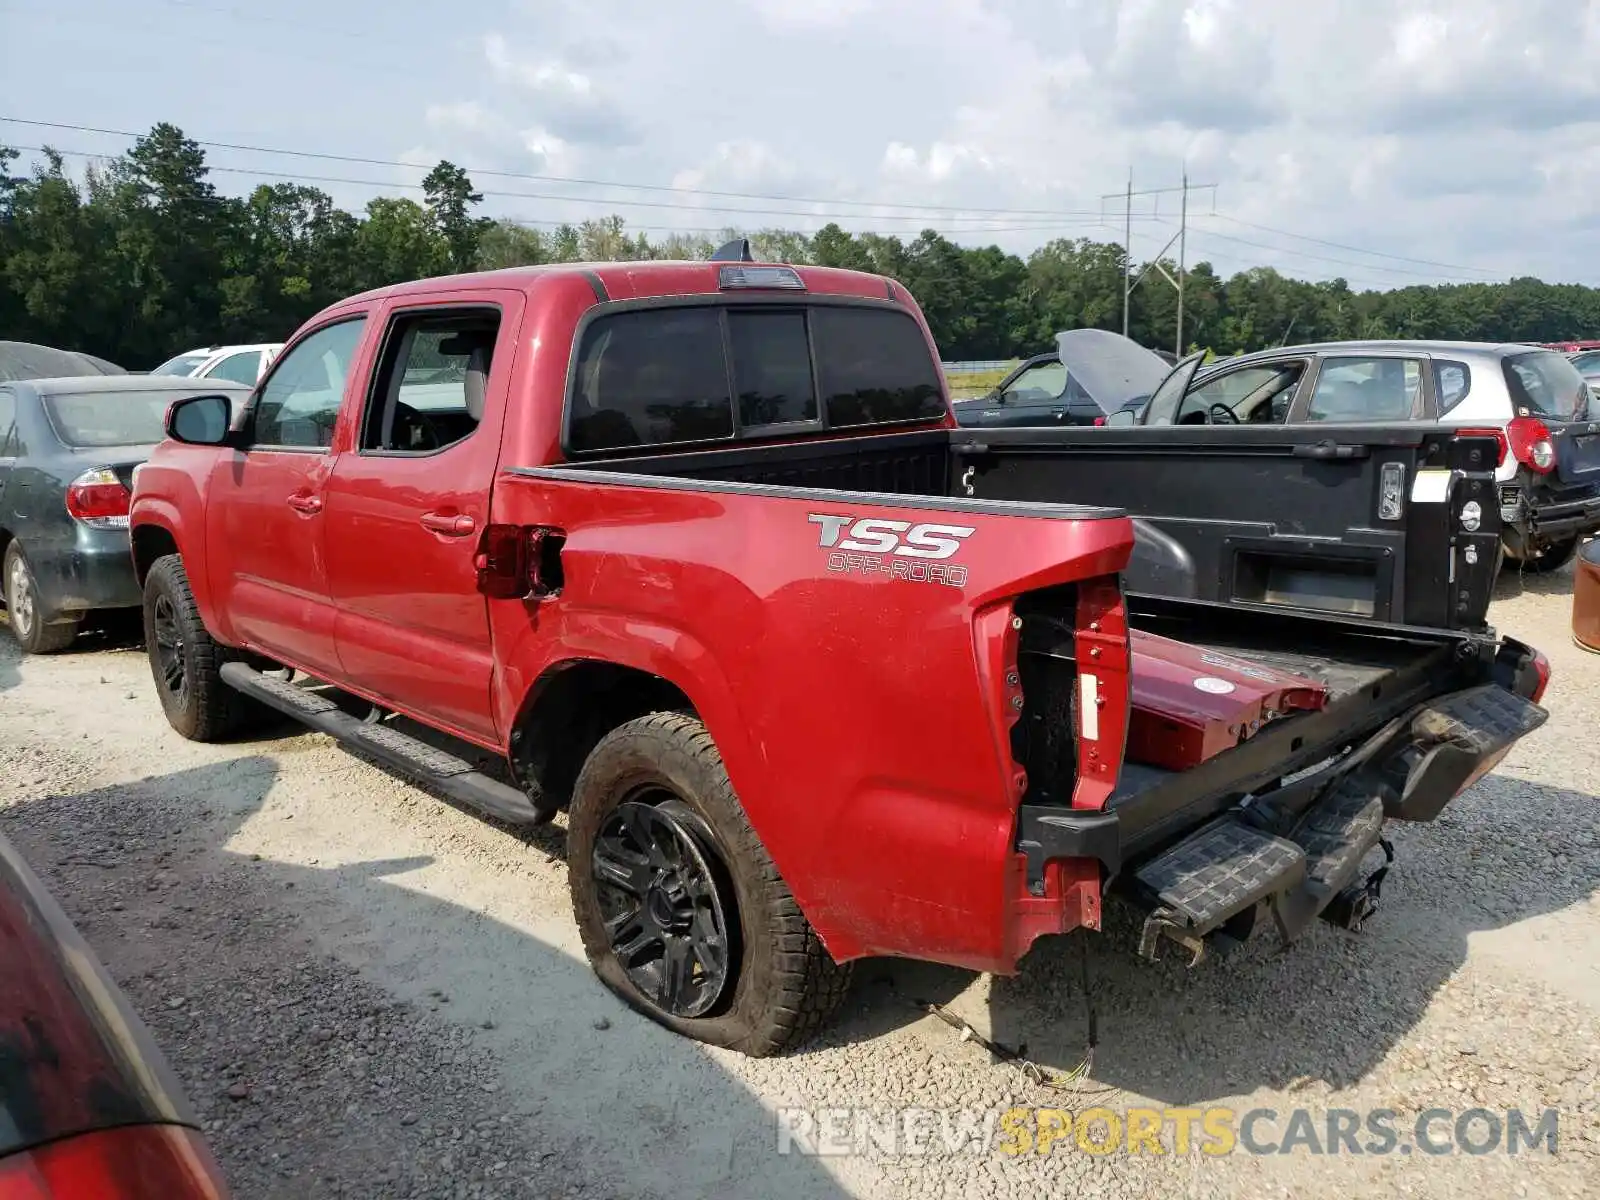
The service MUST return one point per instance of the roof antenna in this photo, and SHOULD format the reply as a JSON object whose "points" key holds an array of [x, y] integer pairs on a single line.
{"points": [[737, 250]]}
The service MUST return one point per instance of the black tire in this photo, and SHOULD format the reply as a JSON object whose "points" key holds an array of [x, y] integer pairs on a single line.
{"points": [[782, 984], [188, 679], [1551, 558], [36, 631]]}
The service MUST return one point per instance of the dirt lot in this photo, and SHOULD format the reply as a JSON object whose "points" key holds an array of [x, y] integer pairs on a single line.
{"points": [[370, 993]]}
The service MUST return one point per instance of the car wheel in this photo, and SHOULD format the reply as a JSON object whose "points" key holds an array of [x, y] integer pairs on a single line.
{"points": [[1551, 557], [36, 632], [683, 914], [186, 662]]}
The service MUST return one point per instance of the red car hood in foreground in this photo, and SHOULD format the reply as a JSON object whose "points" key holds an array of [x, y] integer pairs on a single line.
{"points": [[88, 1105]]}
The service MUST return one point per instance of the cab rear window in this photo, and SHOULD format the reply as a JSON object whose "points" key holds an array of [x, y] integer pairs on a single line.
{"points": [[685, 374]]}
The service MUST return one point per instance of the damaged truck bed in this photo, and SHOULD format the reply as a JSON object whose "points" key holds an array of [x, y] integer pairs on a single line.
{"points": [[1283, 822]]}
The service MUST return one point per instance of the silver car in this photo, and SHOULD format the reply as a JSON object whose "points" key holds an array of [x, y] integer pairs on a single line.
{"points": [[1534, 401], [1588, 364]]}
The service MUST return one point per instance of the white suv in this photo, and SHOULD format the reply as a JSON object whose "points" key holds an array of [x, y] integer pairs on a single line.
{"points": [[241, 364]]}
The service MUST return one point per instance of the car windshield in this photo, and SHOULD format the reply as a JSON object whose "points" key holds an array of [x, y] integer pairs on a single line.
{"points": [[183, 364], [109, 418], [1546, 384]]}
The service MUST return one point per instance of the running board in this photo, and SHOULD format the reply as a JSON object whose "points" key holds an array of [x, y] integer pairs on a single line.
{"points": [[437, 768]]}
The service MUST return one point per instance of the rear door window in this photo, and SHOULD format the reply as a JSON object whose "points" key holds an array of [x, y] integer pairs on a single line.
{"points": [[664, 376], [433, 381], [1546, 384], [1359, 389]]}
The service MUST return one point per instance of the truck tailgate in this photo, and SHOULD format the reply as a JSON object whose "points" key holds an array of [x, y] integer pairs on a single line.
{"points": [[1355, 520]]}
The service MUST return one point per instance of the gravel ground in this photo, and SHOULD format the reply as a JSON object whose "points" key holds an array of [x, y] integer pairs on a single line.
{"points": [[370, 993]]}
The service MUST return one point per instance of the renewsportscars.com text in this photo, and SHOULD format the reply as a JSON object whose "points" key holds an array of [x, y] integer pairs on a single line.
{"points": [[1180, 1131]]}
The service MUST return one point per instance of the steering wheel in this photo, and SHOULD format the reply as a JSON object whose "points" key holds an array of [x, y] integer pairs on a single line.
{"points": [[1221, 414]]}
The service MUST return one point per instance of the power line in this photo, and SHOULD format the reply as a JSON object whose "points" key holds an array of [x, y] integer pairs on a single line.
{"points": [[654, 204], [1363, 266], [643, 187], [1425, 262], [386, 184]]}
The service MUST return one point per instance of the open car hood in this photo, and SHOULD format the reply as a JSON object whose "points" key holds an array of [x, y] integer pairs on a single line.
{"points": [[1111, 368]]}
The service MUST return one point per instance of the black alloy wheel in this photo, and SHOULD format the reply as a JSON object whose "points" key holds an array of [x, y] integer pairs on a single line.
{"points": [[666, 909], [174, 676]]}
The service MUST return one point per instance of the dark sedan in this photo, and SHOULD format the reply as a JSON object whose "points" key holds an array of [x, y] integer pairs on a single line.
{"points": [[88, 1105], [68, 448], [1107, 372], [27, 360]]}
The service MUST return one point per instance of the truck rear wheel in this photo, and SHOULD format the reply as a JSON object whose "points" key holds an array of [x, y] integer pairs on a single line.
{"points": [[683, 914], [186, 662]]}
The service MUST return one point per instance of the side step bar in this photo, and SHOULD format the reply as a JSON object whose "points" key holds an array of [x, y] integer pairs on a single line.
{"points": [[439, 769]]}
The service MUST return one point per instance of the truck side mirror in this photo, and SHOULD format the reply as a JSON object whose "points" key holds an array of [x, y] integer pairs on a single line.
{"points": [[200, 420]]}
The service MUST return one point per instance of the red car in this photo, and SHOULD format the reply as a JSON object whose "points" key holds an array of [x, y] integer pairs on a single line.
{"points": [[88, 1105], [695, 548]]}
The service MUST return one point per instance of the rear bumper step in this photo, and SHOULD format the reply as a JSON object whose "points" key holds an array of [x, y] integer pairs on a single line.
{"points": [[436, 768], [1212, 877], [1452, 742], [1214, 883]]}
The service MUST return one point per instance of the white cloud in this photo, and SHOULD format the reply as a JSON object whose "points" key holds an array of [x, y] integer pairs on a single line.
{"points": [[563, 99], [1459, 132]]}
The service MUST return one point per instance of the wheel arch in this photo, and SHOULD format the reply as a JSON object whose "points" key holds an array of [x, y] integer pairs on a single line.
{"points": [[571, 706], [150, 542]]}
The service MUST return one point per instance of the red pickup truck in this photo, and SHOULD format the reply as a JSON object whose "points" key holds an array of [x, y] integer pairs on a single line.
{"points": [[692, 546]]}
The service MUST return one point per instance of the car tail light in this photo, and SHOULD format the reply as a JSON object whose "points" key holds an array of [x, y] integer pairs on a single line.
{"points": [[129, 1163], [515, 561], [1105, 689], [1531, 445], [1541, 672], [98, 499], [1099, 420]]}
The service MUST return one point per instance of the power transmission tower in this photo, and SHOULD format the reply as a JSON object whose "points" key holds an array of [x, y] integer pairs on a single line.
{"points": [[1180, 238]]}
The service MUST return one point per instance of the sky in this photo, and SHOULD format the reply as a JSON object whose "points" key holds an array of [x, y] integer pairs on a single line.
{"points": [[1386, 143]]}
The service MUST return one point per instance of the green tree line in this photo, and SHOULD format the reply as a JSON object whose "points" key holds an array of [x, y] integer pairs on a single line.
{"points": [[141, 257]]}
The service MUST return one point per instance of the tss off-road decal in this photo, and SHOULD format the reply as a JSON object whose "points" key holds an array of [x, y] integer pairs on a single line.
{"points": [[893, 549]]}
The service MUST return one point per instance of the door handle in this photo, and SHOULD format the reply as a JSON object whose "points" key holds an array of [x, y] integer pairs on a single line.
{"points": [[305, 504], [448, 524], [1331, 450]]}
